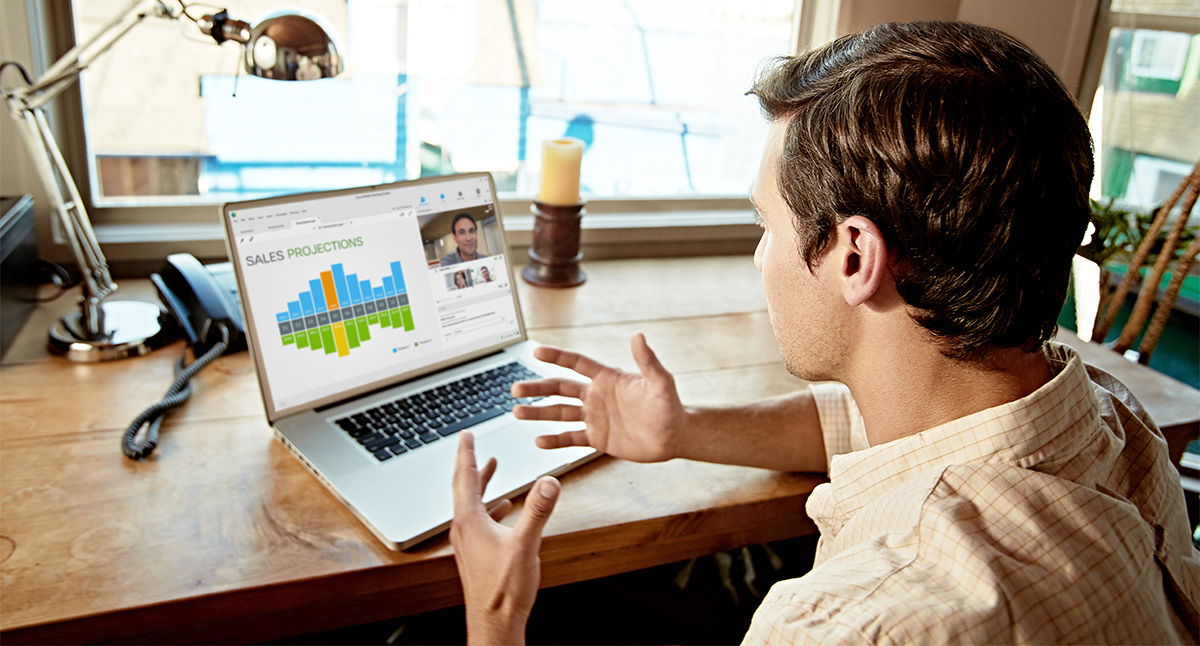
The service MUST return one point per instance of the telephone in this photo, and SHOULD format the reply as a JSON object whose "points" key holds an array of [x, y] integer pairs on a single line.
{"points": [[203, 301], [201, 298]]}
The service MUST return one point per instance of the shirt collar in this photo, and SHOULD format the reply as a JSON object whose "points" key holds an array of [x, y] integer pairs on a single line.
{"points": [[1024, 432]]}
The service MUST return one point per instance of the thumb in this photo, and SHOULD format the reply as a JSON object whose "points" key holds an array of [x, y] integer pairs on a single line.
{"points": [[647, 361], [538, 505]]}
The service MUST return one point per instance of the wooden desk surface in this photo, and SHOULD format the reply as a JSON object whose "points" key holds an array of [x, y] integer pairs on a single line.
{"points": [[223, 536]]}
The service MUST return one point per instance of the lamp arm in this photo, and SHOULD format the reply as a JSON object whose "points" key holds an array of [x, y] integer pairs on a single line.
{"points": [[25, 105], [66, 69]]}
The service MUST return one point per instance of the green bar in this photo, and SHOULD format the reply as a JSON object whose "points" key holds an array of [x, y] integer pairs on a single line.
{"points": [[288, 339], [301, 340], [327, 339], [314, 339], [397, 321], [351, 334], [385, 320], [406, 314], [372, 319], [364, 332]]}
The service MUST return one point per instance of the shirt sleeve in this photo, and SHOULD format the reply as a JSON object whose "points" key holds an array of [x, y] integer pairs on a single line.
{"points": [[841, 423]]}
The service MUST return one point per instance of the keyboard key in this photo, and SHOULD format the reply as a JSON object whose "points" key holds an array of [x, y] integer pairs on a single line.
{"points": [[384, 455], [382, 444], [397, 449], [471, 421], [430, 437], [368, 439]]}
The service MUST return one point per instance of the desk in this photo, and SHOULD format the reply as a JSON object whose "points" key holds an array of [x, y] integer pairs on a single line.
{"points": [[223, 535]]}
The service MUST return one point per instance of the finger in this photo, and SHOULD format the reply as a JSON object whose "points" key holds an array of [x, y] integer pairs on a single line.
{"points": [[647, 361], [501, 510], [485, 476], [538, 505], [567, 359], [466, 477], [562, 440], [548, 387], [552, 413]]}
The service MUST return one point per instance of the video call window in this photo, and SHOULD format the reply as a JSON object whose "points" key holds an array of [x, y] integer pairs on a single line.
{"points": [[460, 236]]}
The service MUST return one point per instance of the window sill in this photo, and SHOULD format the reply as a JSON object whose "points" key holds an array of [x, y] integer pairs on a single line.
{"points": [[604, 235]]}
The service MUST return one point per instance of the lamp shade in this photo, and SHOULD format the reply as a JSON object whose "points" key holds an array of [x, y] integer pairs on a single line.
{"points": [[291, 47]]}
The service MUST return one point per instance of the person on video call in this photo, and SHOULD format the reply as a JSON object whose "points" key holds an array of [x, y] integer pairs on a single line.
{"points": [[460, 280], [486, 274], [922, 191], [463, 230]]}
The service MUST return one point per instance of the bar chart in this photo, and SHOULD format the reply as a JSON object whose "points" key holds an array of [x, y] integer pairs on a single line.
{"points": [[337, 311]]}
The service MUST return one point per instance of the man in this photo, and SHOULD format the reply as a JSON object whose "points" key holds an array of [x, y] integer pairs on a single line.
{"points": [[463, 230], [922, 191]]}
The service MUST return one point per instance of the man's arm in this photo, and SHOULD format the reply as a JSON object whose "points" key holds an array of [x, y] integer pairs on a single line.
{"points": [[639, 417]]}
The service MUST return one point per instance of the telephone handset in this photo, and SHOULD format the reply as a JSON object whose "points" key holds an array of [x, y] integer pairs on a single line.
{"points": [[201, 298], [203, 301]]}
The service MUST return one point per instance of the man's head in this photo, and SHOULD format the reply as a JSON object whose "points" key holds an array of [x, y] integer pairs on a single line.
{"points": [[463, 228], [962, 149], [486, 273]]}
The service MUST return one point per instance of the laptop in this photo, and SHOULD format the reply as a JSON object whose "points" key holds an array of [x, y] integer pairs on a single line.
{"points": [[375, 344]]}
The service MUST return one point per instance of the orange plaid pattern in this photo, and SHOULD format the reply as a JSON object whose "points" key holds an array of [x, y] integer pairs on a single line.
{"points": [[1056, 518]]}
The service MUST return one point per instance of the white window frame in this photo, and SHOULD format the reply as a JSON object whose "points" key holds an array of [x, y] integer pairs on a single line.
{"points": [[1106, 21], [611, 228]]}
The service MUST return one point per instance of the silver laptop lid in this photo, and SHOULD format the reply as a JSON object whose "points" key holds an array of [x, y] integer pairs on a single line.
{"points": [[350, 291]]}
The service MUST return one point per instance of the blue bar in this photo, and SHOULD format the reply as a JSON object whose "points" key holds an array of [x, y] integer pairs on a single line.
{"points": [[294, 309], [352, 287], [318, 294], [365, 288], [282, 317], [398, 275], [389, 286], [339, 283], [378, 293], [306, 303]]}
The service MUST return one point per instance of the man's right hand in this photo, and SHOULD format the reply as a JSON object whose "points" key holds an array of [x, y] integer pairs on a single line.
{"points": [[632, 416]]}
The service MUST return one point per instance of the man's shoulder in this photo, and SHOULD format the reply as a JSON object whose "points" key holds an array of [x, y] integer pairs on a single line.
{"points": [[451, 258], [975, 553]]}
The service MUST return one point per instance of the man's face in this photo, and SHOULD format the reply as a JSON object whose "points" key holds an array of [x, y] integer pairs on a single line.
{"points": [[464, 237], [803, 304]]}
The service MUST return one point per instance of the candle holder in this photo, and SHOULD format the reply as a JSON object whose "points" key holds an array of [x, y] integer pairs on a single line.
{"points": [[554, 255]]}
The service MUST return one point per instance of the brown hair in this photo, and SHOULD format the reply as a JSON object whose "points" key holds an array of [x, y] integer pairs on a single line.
{"points": [[963, 147]]}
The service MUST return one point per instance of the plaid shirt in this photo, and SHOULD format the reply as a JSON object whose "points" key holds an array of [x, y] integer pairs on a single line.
{"points": [[1056, 518]]}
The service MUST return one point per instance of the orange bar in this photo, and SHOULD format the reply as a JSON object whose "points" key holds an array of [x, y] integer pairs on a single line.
{"points": [[331, 300], [339, 339]]}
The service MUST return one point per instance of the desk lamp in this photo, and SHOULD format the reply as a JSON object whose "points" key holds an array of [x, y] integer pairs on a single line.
{"points": [[276, 48]]}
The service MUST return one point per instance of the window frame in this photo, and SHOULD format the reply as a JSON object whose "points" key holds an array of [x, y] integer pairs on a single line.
{"points": [[133, 234]]}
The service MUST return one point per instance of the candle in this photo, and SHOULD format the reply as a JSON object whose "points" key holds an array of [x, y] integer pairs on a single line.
{"points": [[560, 171]]}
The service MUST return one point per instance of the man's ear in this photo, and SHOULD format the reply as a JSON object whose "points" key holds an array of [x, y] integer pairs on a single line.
{"points": [[864, 259]]}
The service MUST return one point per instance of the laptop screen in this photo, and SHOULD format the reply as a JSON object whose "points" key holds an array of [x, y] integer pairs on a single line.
{"points": [[349, 290]]}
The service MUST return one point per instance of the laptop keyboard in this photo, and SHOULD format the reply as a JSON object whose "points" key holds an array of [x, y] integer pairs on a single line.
{"points": [[407, 424]]}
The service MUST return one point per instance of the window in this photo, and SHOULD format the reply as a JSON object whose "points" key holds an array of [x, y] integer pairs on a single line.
{"points": [[653, 87], [1145, 117]]}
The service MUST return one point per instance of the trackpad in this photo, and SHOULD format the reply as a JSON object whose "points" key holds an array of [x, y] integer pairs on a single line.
{"points": [[520, 461]]}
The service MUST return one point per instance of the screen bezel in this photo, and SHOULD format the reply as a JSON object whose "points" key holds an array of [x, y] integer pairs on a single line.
{"points": [[252, 329]]}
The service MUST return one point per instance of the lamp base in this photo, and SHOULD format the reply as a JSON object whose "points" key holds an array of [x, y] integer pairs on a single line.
{"points": [[129, 329]]}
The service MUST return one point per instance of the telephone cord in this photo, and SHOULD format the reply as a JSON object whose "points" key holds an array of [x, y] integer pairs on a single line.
{"points": [[176, 395]]}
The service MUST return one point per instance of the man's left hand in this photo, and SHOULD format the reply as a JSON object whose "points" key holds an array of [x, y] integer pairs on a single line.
{"points": [[498, 565]]}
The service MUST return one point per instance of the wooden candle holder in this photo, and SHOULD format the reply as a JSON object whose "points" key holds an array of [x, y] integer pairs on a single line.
{"points": [[554, 255]]}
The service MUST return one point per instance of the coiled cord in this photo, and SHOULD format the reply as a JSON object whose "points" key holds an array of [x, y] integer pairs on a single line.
{"points": [[176, 395]]}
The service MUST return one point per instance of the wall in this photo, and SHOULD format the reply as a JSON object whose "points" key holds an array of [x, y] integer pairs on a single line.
{"points": [[1058, 31]]}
